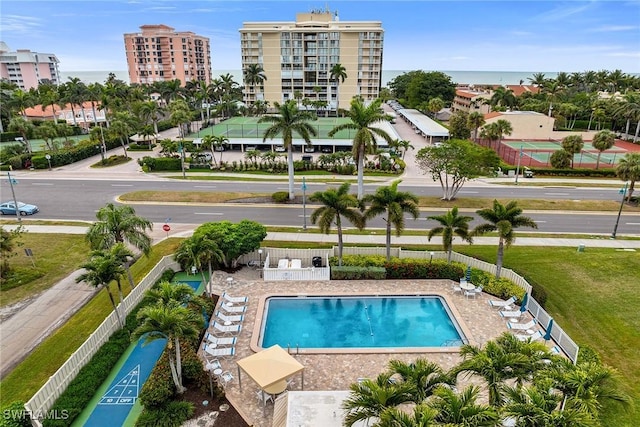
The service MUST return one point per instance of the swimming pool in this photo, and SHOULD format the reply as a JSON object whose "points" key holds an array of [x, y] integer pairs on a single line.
{"points": [[359, 322]]}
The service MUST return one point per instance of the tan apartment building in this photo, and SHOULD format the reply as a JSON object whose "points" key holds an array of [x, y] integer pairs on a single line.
{"points": [[28, 69], [471, 100], [159, 53], [297, 57]]}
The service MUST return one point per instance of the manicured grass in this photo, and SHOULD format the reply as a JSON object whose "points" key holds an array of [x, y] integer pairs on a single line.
{"points": [[55, 256], [425, 202], [34, 371], [42, 222]]}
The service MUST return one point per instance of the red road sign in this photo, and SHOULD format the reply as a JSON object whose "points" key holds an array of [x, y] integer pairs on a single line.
{"points": [[166, 228]]}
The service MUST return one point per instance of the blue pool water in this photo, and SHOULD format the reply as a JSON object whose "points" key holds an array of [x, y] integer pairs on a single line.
{"points": [[195, 284], [358, 322]]}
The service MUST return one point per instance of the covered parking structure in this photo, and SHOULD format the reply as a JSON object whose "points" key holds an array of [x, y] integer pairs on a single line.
{"points": [[423, 125]]}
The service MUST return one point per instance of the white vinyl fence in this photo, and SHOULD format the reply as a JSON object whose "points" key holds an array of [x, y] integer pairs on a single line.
{"points": [[44, 398]]}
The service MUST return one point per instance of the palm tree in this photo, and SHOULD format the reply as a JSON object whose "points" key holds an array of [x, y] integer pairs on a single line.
{"points": [[220, 142], [475, 120], [370, 398], [537, 79], [166, 293], [572, 144], [402, 144], [393, 204], [102, 269], [22, 100], [172, 322], [75, 93], [503, 219], [503, 97], [49, 96], [338, 74], [208, 143], [151, 111], [290, 120], [197, 251], [180, 115], [455, 409], [363, 118], [628, 169], [120, 252], [254, 75], [24, 127], [122, 127], [602, 141], [424, 376], [119, 224], [434, 105], [422, 416], [629, 109], [336, 203], [503, 128], [451, 223]]}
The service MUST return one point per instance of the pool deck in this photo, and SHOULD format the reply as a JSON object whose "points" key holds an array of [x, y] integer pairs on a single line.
{"points": [[334, 371]]}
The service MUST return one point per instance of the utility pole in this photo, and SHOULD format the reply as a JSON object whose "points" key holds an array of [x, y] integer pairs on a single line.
{"points": [[304, 203], [622, 191], [13, 193]]}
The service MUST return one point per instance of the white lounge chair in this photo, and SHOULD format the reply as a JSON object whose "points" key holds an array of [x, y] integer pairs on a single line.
{"points": [[522, 326], [220, 341], [513, 313], [220, 352], [229, 318], [499, 303], [227, 329], [472, 293], [233, 308], [533, 337], [234, 300]]}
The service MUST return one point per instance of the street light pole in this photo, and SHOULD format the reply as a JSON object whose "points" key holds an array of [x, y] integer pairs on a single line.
{"points": [[623, 191], [518, 167], [304, 203], [13, 193]]}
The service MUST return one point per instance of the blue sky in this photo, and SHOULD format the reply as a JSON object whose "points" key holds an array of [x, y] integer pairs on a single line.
{"points": [[430, 35]]}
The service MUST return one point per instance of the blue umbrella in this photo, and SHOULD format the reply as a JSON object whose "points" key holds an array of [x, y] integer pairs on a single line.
{"points": [[523, 305], [468, 274], [547, 334]]}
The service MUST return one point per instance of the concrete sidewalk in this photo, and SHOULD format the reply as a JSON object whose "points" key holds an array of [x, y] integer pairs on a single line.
{"points": [[25, 325]]}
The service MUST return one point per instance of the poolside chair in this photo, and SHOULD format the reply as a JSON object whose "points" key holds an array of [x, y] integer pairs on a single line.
{"points": [[513, 313], [233, 308], [220, 341], [456, 288], [533, 337], [212, 364], [499, 303], [522, 326], [478, 290], [219, 352], [472, 293], [225, 378], [229, 318], [264, 397], [234, 300], [227, 329]]}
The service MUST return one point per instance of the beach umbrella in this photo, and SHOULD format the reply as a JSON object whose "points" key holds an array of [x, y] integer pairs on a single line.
{"points": [[468, 274], [523, 305], [547, 334]]}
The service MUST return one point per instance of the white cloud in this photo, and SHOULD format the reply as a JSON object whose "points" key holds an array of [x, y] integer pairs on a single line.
{"points": [[20, 24], [624, 54], [562, 12], [615, 28]]}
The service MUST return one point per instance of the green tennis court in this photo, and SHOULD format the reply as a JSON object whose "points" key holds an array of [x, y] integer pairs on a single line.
{"points": [[39, 145], [553, 145], [248, 127]]}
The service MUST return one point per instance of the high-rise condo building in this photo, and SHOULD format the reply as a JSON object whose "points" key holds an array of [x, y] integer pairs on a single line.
{"points": [[158, 53], [28, 69], [297, 59]]}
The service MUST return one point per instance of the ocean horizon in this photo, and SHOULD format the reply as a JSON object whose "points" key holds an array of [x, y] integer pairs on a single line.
{"points": [[458, 77]]}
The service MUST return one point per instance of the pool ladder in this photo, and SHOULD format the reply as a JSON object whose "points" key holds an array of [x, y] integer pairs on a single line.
{"points": [[297, 348]]}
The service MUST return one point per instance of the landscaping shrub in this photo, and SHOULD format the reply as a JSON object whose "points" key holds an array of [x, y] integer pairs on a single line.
{"points": [[141, 147], [501, 288], [411, 268], [280, 197], [154, 164], [172, 415], [14, 415], [159, 389], [588, 355], [539, 294], [357, 273], [359, 260]]}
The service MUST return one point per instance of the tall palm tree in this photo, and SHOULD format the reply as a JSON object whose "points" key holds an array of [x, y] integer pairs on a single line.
{"points": [[628, 169], [120, 252], [172, 322], [24, 127], [119, 224], [572, 144], [336, 203], [208, 143], [289, 120], [451, 223], [402, 144], [75, 93], [102, 269], [461, 409], [602, 141], [338, 74], [49, 96], [475, 120], [180, 115], [122, 126], [504, 219], [503, 97], [220, 142], [22, 99], [166, 293], [363, 119], [370, 398], [151, 111], [254, 75], [537, 79], [393, 204], [629, 109], [424, 376], [434, 105]]}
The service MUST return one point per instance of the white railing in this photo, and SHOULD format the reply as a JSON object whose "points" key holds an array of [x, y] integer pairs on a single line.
{"points": [[44, 398]]}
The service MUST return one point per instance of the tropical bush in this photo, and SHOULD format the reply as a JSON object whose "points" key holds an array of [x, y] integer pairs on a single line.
{"points": [[280, 197], [358, 273], [154, 164], [173, 414]]}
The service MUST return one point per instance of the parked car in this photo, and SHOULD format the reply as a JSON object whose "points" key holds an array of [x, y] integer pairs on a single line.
{"points": [[251, 148], [309, 149], [280, 149], [326, 150], [9, 208]]}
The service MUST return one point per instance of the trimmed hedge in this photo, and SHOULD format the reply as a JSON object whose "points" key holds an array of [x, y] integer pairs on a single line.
{"points": [[173, 414], [409, 268], [280, 197], [358, 273], [153, 164]]}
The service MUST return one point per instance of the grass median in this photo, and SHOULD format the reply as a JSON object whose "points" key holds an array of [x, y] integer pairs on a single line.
{"points": [[424, 202]]}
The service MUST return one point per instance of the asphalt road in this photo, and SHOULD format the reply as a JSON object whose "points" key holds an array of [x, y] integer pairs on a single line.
{"points": [[72, 199]]}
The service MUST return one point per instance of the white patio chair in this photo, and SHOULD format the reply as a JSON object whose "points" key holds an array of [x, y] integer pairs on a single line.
{"points": [[264, 397], [234, 300], [229, 318], [225, 378], [470, 294], [456, 288], [233, 308], [227, 329], [533, 337], [500, 303], [220, 341], [522, 326], [220, 352], [511, 314]]}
